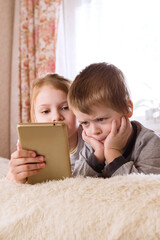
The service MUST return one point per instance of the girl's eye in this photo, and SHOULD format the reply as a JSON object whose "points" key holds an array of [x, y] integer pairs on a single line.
{"points": [[65, 108], [45, 111]]}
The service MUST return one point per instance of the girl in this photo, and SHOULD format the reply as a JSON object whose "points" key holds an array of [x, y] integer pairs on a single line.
{"points": [[48, 104]]}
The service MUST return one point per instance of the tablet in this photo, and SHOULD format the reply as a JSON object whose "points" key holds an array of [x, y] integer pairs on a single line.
{"points": [[51, 141]]}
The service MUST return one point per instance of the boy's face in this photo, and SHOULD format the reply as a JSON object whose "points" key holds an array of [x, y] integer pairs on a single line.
{"points": [[98, 124], [51, 105]]}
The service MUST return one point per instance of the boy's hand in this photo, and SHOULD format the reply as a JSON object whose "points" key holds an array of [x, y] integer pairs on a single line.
{"points": [[23, 164], [116, 141], [96, 145]]}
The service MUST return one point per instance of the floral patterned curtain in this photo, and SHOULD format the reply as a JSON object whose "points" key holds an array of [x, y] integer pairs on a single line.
{"points": [[37, 44]]}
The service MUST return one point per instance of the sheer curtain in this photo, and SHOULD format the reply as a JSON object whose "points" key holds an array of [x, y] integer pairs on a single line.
{"points": [[125, 33]]}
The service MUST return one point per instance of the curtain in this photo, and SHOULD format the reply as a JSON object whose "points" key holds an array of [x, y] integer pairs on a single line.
{"points": [[97, 31], [37, 44]]}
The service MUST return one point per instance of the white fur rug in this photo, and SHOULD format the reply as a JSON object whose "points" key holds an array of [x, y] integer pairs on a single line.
{"points": [[4, 167], [123, 207]]}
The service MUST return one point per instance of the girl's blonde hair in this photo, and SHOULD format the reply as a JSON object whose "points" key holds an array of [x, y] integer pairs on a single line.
{"points": [[99, 84], [53, 80]]}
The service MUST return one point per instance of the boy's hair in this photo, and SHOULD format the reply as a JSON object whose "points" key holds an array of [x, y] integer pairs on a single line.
{"points": [[97, 84], [53, 80]]}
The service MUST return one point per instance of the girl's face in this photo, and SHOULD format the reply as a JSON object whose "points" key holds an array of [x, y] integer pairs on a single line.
{"points": [[51, 105]]}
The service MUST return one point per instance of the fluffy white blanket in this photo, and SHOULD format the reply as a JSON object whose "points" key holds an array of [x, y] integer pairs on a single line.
{"points": [[4, 166], [123, 207]]}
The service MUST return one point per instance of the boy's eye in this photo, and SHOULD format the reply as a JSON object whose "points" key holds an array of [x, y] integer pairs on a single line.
{"points": [[101, 119], [84, 123]]}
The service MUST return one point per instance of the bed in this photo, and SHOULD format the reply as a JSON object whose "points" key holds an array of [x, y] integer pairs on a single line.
{"points": [[122, 207], [4, 166]]}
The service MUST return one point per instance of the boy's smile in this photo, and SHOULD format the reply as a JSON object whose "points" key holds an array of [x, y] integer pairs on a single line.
{"points": [[98, 124]]}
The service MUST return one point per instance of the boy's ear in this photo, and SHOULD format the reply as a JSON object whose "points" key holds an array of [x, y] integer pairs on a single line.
{"points": [[130, 108]]}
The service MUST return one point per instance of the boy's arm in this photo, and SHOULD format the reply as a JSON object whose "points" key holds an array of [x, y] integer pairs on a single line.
{"points": [[114, 144], [145, 157], [87, 164], [117, 139], [92, 163], [120, 166]]}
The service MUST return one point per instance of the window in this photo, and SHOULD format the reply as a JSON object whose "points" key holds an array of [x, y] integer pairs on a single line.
{"points": [[123, 32]]}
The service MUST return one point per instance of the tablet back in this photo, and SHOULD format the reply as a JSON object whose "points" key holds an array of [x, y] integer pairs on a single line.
{"points": [[51, 141]]}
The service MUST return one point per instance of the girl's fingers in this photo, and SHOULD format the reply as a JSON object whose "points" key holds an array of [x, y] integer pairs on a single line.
{"points": [[18, 145], [24, 175], [21, 177], [23, 154], [29, 168], [24, 161], [19, 173]]}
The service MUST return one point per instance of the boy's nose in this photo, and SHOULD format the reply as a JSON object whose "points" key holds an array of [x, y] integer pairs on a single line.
{"points": [[94, 130]]}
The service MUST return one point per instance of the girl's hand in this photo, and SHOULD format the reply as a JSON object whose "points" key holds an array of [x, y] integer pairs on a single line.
{"points": [[23, 164], [96, 145], [115, 143]]}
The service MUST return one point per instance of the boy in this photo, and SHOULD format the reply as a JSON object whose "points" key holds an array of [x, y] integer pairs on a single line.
{"points": [[101, 102]]}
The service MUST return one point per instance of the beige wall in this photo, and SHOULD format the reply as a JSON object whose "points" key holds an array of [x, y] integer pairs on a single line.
{"points": [[14, 100], [6, 26]]}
